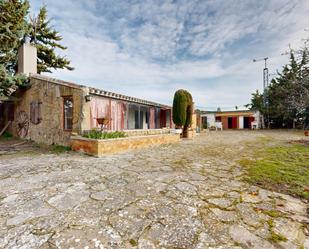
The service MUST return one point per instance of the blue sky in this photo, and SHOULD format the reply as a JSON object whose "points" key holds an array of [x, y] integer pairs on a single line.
{"points": [[151, 48]]}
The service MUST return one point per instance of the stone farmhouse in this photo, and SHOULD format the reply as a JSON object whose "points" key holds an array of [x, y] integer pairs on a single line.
{"points": [[51, 110]]}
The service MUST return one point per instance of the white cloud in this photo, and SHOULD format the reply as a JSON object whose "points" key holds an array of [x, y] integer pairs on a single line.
{"points": [[150, 48]]}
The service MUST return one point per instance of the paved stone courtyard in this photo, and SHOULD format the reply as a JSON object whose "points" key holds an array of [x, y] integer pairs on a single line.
{"points": [[186, 195]]}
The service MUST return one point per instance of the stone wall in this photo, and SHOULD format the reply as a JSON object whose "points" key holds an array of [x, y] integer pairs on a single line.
{"points": [[138, 132], [111, 146], [131, 133], [50, 93]]}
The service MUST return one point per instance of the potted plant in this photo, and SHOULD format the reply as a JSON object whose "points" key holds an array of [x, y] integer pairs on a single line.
{"points": [[182, 112]]}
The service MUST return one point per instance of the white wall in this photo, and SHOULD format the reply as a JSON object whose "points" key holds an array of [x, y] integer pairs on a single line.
{"points": [[211, 119], [240, 122], [257, 118], [27, 59]]}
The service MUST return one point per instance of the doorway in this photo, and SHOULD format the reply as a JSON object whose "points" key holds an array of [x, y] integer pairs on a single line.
{"points": [[229, 122], [232, 122], [246, 123]]}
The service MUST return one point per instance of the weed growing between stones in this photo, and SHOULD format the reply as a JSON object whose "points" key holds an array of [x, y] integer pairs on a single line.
{"points": [[273, 213], [133, 242], [274, 237]]}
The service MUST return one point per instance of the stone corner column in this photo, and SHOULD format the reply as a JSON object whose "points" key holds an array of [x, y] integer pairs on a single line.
{"points": [[85, 110]]}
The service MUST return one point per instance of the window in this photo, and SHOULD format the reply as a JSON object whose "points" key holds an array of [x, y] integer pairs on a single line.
{"points": [[68, 113], [10, 111], [35, 112]]}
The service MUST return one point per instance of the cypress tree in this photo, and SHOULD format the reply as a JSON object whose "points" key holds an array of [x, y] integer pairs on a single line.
{"points": [[189, 109], [180, 108], [183, 110]]}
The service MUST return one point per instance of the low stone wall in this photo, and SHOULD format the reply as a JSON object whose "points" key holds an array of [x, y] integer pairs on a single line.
{"points": [[137, 132], [141, 132], [100, 147]]}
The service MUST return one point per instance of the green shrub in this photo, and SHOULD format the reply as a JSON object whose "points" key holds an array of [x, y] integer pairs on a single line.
{"points": [[179, 108], [95, 134], [182, 108], [205, 126], [56, 148], [189, 110], [6, 135]]}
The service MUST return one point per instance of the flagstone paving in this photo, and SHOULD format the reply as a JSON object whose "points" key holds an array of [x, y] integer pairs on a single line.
{"points": [[186, 195]]}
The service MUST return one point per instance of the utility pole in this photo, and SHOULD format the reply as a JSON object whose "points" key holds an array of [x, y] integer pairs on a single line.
{"points": [[265, 87], [265, 72]]}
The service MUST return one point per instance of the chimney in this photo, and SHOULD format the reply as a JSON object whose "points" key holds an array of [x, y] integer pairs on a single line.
{"points": [[27, 59]]}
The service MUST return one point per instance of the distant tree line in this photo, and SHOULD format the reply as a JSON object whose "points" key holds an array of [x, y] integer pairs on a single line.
{"points": [[285, 103], [17, 26]]}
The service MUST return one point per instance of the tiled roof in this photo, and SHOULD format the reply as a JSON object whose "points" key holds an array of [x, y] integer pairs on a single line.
{"points": [[108, 94], [99, 92]]}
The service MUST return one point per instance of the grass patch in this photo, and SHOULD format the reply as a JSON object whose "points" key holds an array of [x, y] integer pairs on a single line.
{"points": [[55, 148], [265, 139], [6, 136], [180, 162], [94, 134], [282, 169], [59, 148]]}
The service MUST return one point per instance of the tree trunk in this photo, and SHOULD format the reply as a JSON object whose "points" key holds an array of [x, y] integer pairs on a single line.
{"points": [[185, 132]]}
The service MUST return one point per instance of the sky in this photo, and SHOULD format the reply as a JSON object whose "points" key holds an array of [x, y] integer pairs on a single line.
{"points": [[151, 48]]}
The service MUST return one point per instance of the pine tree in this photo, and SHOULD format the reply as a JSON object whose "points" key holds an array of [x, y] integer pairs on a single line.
{"points": [[13, 27], [10, 83], [287, 94], [257, 103], [47, 40], [298, 97]]}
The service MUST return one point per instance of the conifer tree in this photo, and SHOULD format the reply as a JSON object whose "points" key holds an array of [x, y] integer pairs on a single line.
{"points": [[47, 40], [13, 27], [287, 94], [256, 102]]}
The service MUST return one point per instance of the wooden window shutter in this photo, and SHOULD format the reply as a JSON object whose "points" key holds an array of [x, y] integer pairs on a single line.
{"points": [[35, 112]]}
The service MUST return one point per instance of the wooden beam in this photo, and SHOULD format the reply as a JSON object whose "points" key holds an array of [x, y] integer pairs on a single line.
{"points": [[5, 127]]}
